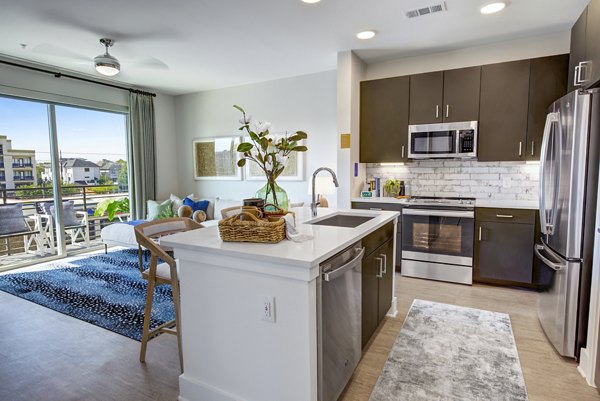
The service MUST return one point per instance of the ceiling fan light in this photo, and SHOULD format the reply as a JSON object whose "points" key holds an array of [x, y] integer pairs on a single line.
{"points": [[107, 65]]}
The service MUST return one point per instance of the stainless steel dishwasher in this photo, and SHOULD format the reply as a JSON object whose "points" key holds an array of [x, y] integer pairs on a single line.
{"points": [[339, 320]]}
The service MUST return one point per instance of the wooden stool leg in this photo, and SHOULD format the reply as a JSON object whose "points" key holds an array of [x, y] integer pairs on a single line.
{"points": [[176, 304], [147, 318]]}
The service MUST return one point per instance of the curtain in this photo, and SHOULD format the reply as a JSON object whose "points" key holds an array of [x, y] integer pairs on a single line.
{"points": [[141, 153]]}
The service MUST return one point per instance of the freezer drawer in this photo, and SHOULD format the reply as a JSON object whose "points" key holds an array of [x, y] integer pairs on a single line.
{"points": [[557, 307]]}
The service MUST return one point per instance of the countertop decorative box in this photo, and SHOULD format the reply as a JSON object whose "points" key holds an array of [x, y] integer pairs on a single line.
{"points": [[366, 194]]}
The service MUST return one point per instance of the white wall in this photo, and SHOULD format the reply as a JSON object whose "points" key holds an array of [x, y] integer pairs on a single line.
{"points": [[532, 47], [305, 103], [20, 82], [351, 70]]}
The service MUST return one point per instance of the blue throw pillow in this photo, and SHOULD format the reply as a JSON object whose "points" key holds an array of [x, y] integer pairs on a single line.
{"points": [[200, 205]]}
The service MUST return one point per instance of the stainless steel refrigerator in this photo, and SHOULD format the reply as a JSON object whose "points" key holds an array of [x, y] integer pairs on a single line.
{"points": [[568, 185]]}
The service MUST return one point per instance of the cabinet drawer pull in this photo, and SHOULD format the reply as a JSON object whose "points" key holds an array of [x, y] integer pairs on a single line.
{"points": [[532, 148], [447, 110], [520, 148], [479, 233], [375, 208], [505, 216], [437, 111], [583, 75], [384, 256], [379, 268], [403, 151]]}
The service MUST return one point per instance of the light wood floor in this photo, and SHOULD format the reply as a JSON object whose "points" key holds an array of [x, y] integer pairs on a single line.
{"points": [[45, 355], [548, 376]]}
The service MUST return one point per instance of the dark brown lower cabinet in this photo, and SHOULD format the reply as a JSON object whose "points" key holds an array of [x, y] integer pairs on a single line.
{"points": [[387, 206], [504, 241], [377, 290]]}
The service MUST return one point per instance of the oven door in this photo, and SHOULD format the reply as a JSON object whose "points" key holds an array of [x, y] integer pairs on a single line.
{"points": [[440, 236], [432, 144]]}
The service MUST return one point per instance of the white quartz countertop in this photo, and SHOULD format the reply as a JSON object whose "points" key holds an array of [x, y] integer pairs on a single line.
{"points": [[326, 242], [496, 203]]}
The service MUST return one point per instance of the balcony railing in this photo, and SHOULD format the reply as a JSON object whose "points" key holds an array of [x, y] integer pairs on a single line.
{"points": [[22, 165], [85, 197], [23, 178]]}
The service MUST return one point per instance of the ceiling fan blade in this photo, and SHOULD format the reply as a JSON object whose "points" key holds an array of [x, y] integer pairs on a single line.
{"points": [[57, 51], [148, 62], [120, 31]]}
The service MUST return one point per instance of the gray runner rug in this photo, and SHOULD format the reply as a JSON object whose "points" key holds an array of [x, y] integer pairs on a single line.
{"points": [[446, 352]]}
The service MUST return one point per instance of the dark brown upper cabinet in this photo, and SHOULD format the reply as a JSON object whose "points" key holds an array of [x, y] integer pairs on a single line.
{"points": [[445, 96], [426, 98], [578, 44], [547, 83], [384, 120], [503, 111], [584, 65], [461, 94]]}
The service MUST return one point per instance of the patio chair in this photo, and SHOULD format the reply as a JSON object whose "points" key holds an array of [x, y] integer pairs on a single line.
{"points": [[75, 222], [14, 224], [148, 235]]}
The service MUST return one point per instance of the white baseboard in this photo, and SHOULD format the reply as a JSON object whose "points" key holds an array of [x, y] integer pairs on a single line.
{"points": [[585, 367], [393, 312], [191, 389]]}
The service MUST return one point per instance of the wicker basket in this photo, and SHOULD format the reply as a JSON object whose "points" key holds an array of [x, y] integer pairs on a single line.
{"points": [[252, 229], [277, 213]]}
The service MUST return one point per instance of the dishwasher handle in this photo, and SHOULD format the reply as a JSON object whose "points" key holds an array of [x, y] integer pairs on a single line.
{"points": [[332, 275]]}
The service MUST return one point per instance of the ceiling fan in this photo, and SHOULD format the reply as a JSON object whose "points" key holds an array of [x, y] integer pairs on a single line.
{"points": [[105, 63]]}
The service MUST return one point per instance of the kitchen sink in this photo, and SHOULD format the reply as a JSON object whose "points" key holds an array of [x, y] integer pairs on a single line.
{"points": [[342, 220]]}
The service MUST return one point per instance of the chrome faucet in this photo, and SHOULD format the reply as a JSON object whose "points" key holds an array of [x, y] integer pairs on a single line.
{"points": [[314, 203]]}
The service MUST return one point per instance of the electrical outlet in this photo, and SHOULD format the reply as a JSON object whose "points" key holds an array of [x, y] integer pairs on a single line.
{"points": [[267, 308]]}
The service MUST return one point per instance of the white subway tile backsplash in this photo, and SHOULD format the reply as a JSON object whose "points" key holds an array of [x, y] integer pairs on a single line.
{"points": [[481, 180]]}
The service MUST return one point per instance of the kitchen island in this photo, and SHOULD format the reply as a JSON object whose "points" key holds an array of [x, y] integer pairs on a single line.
{"points": [[235, 350]]}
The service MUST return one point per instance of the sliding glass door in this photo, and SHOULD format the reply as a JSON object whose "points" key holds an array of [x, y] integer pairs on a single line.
{"points": [[56, 154]]}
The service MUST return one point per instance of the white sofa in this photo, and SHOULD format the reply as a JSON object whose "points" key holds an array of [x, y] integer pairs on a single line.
{"points": [[122, 234]]}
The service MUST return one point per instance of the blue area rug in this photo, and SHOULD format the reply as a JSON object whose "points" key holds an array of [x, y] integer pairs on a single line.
{"points": [[105, 289]]}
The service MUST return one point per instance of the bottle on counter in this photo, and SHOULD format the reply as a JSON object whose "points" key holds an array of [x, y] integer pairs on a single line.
{"points": [[402, 188]]}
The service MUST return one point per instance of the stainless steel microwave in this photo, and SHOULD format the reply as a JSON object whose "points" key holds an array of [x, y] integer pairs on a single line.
{"points": [[446, 140]]}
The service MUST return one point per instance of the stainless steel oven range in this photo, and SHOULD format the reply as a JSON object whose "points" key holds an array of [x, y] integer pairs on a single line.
{"points": [[437, 239]]}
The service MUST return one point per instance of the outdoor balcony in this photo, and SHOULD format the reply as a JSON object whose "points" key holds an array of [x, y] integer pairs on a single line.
{"points": [[22, 165], [85, 197], [23, 178]]}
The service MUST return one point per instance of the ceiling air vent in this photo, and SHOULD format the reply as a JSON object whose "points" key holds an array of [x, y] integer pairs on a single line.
{"points": [[419, 12]]}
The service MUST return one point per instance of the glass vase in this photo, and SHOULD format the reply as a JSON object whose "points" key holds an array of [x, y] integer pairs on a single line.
{"points": [[273, 193]]}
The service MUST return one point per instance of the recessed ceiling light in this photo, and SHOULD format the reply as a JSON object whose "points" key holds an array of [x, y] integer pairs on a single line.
{"points": [[365, 34], [311, 1], [493, 7]]}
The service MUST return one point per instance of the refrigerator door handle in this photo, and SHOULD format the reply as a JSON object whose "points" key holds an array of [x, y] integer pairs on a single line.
{"points": [[556, 266], [550, 119]]}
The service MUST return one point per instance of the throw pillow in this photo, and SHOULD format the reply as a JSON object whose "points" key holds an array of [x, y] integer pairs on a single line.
{"points": [[159, 210], [69, 216], [199, 205], [12, 220]]}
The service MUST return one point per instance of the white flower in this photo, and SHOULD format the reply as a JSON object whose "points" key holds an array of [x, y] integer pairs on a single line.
{"points": [[281, 159], [246, 119], [268, 166], [262, 126], [271, 148]]}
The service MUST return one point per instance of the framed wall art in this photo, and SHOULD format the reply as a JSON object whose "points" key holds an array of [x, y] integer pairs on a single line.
{"points": [[216, 158]]}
